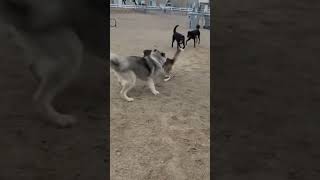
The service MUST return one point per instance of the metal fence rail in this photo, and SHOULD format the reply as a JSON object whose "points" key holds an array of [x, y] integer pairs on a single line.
{"points": [[194, 17], [194, 20], [150, 7]]}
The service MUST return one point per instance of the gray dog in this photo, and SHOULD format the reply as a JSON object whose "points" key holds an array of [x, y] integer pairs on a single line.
{"points": [[53, 36], [127, 69]]}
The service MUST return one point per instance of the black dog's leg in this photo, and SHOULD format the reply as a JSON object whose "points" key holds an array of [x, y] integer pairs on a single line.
{"points": [[184, 45], [199, 38], [172, 41], [194, 42], [178, 43], [188, 40]]}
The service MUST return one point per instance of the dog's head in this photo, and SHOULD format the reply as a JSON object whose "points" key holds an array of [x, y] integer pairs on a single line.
{"points": [[160, 53], [159, 56], [146, 52]]}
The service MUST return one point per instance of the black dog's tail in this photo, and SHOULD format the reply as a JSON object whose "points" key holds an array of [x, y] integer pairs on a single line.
{"points": [[175, 29]]}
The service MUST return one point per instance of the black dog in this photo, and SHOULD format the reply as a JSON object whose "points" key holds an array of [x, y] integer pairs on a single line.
{"points": [[178, 37], [194, 35]]}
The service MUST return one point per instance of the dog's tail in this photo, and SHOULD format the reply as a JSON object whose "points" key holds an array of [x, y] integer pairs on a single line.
{"points": [[116, 62], [175, 29], [176, 55]]}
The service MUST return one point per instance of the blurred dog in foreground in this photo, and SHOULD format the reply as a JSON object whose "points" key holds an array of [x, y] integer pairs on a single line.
{"points": [[54, 35]]}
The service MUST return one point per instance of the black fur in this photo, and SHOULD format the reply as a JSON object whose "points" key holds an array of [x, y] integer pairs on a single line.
{"points": [[178, 37], [194, 35]]}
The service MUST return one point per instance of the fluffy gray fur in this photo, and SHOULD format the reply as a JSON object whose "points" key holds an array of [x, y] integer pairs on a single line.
{"points": [[127, 69]]}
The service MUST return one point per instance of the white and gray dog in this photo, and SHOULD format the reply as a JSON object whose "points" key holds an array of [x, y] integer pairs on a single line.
{"points": [[54, 36], [127, 69]]}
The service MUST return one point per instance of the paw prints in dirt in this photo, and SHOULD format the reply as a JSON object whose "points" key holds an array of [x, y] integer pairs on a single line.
{"points": [[192, 121]]}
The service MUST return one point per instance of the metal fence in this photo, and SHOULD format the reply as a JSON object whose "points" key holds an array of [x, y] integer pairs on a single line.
{"points": [[151, 7], [194, 17]]}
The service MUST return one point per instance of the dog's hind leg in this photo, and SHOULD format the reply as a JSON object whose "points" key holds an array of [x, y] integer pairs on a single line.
{"points": [[43, 99], [184, 45], [48, 89], [123, 85], [188, 40], [56, 73], [128, 85], [119, 79], [152, 86], [34, 73], [172, 41]]}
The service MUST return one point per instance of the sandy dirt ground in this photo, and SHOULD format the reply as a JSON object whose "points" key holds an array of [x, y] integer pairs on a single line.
{"points": [[165, 136]]}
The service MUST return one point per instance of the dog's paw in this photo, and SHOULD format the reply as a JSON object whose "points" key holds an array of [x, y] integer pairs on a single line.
{"points": [[129, 99], [65, 121], [155, 92], [167, 78]]}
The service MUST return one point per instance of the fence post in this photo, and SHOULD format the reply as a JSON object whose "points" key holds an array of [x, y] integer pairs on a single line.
{"points": [[194, 20], [206, 21]]}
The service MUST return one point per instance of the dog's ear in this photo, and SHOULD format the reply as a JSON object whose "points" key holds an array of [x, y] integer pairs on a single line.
{"points": [[145, 51]]}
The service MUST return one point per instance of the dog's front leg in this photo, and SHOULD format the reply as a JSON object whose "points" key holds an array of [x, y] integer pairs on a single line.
{"points": [[152, 86]]}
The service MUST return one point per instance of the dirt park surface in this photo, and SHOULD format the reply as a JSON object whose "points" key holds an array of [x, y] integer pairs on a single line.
{"points": [[165, 136]]}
